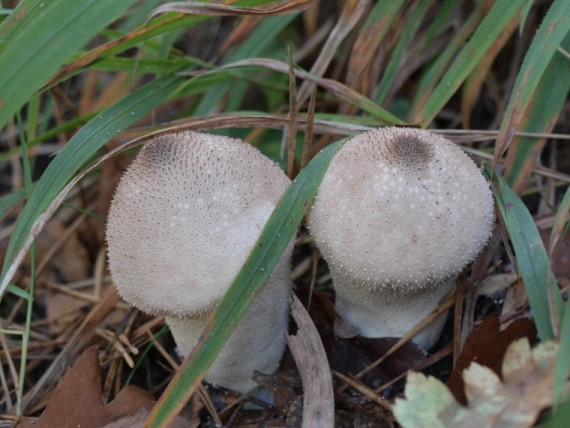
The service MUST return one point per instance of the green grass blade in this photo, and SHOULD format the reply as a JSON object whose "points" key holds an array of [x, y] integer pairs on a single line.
{"points": [[17, 291], [547, 102], [274, 238], [560, 226], [21, 17], [378, 23], [160, 25], [26, 335], [551, 33], [440, 20], [532, 260], [138, 15], [79, 150], [562, 368], [561, 416], [32, 118], [487, 32], [52, 38], [142, 65], [9, 200], [524, 15], [141, 357], [438, 67], [256, 43], [412, 25]]}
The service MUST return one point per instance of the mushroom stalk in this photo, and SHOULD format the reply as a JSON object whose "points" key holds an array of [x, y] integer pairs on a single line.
{"points": [[386, 312], [398, 215], [257, 343], [184, 219]]}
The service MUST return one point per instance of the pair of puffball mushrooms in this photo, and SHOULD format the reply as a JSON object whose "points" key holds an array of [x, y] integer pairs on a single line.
{"points": [[399, 213]]}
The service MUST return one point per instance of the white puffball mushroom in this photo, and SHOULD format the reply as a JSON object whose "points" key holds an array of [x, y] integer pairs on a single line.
{"points": [[398, 215], [184, 218]]}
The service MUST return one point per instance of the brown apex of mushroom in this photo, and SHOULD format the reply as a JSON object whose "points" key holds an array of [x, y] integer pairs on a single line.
{"points": [[401, 206], [409, 151], [189, 209]]}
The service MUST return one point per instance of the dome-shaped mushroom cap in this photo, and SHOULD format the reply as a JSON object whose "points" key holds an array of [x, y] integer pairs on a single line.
{"points": [[184, 218], [401, 206]]}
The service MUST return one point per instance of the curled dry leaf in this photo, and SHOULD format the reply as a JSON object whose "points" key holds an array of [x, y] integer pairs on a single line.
{"points": [[513, 402], [199, 8]]}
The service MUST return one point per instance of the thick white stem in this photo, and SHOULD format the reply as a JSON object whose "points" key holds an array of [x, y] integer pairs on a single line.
{"points": [[258, 341], [390, 311]]}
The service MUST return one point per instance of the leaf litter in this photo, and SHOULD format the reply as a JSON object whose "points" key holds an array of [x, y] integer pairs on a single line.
{"points": [[75, 308]]}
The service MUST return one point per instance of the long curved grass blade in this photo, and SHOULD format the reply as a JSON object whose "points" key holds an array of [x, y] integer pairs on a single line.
{"points": [[532, 260], [334, 87], [274, 238], [160, 25], [500, 15], [29, 61], [76, 153], [550, 34], [545, 107]]}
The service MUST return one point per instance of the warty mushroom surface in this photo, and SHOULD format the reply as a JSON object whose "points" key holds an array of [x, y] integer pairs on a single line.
{"points": [[185, 216], [398, 215]]}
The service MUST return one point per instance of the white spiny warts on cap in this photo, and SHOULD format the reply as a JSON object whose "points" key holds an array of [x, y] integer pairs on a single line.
{"points": [[399, 210], [184, 218]]}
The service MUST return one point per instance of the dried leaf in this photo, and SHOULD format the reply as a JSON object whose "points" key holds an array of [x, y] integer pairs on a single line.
{"points": [[516, 401], [487, 346], [308, 351], [77, 398], [77, 343], [351, 14], [212, 9]]}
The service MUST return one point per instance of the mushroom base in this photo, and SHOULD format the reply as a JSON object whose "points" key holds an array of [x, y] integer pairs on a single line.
{"points": [[258, 341], [391, 311], [244, 352]]}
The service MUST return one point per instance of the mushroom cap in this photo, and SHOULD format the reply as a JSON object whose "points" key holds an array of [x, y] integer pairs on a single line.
{"points": [[401, 207], [184, 218]]}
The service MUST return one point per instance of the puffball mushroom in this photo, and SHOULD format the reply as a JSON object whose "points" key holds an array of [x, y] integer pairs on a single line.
{"points": [[398, 215], [184, 218]]}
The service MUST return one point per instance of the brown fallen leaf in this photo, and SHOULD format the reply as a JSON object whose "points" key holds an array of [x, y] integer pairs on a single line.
{"points": [[76, 400], [486, 345]]}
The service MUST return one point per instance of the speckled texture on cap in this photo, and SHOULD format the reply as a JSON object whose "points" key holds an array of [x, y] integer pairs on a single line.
{"points": [[401, 207], [184, 218], [398, 215]]}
